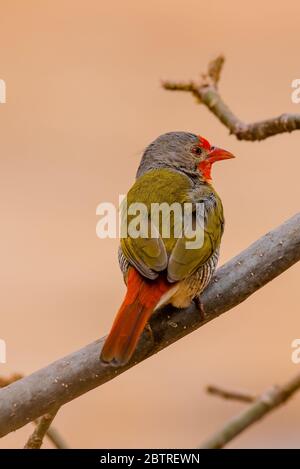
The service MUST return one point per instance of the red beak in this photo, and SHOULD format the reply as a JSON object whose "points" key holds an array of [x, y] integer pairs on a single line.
{"points": [[217, 154]]}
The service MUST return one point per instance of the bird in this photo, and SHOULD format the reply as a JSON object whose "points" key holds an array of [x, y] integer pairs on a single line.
{"points": [[159, 269]]}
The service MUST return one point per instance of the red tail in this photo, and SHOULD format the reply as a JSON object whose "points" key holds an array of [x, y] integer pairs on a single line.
{"points": [[141, 298]]}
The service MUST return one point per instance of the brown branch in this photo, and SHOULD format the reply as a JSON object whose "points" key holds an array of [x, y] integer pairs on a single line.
{"points": [[51, 432], [81, 371], [232, 395], [35, 440], [267, 402], [206, 92]]}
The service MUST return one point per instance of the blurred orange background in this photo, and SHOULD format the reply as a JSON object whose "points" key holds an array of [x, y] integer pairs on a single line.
{"points": [[83, 100]]}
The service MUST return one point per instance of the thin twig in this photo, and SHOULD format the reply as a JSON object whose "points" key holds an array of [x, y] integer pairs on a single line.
{"points": [[267, 402], [35, 440], [206, 92], [55, 437], [81, 371], [232, 395]]}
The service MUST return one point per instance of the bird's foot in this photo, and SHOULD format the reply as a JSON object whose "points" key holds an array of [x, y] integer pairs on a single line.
{"points": [[200, 307], [149, 331]]}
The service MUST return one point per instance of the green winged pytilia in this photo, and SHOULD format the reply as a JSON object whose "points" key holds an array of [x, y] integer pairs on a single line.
{"points": [[170, 251]]}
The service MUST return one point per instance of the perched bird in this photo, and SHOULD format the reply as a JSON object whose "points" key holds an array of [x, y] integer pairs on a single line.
{"points": [[160, 269]]}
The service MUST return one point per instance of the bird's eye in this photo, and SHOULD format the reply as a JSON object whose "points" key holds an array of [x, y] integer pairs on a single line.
{"points": [[197, 150]]}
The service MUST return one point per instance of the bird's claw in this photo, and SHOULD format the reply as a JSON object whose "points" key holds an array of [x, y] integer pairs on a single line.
{"points": [[200, 307], [149, 331]]}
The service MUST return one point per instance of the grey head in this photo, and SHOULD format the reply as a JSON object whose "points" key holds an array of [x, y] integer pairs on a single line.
{"points": [[176, 150]]}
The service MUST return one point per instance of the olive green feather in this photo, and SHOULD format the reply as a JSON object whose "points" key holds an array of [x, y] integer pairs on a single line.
{"points": [[162, 250]]}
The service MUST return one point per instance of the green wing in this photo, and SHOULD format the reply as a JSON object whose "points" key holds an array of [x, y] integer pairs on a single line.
{"points": [[156, 251], [150, 254], [208, 226]]}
